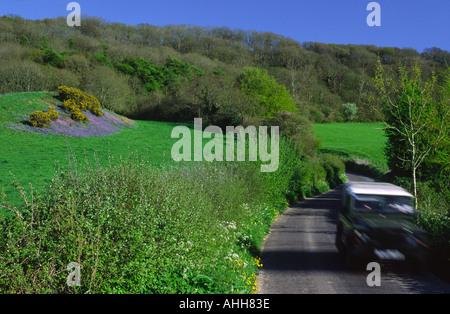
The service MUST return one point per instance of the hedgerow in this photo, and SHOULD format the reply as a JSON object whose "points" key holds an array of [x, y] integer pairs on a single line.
{"points": [[134, 228]]}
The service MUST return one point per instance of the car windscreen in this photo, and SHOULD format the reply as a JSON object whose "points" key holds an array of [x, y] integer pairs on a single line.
{"points": [[383, 204]]}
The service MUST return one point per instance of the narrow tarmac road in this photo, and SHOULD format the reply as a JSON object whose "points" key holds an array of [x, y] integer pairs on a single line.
{"points": [[299, 256]]}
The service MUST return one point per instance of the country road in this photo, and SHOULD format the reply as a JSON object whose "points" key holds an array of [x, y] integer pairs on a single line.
{"points": [[299, 256]]}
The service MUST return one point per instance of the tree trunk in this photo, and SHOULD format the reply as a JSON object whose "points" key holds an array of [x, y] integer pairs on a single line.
{"points": [[414, 164], [414, 185]]}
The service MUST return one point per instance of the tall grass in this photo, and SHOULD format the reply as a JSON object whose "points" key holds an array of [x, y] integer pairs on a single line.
{"points": [[135, 228]]}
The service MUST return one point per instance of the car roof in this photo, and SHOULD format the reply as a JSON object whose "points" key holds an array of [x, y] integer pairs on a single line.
{"points": [[376, 188]]}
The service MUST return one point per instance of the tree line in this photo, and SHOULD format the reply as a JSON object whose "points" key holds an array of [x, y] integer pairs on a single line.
{"points": [[227, 77], [319, 77]]}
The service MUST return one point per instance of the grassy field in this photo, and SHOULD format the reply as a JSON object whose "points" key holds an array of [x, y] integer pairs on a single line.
{"points": [[360, 140], [135, 226], [32, 158], [132, 227]]}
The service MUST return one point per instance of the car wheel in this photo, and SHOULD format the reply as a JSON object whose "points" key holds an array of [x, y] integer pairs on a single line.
{"points": [[338, 241]]}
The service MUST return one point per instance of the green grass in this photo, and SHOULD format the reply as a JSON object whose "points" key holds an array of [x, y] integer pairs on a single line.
{"points": [[32, 158], [194, 224], [358, 140], [134, 227]]}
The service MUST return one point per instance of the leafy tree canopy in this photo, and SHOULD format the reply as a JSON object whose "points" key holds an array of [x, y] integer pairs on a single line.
{"points": [[272, 97]]}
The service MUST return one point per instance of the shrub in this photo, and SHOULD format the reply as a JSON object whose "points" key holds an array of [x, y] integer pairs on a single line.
{"points": [[36, 55], [42, 119], [24, 41], [69, 105], [335, 169], [110, 88], [135, 229], [52, 114], [350, 111], [39, 119], [75, 100], [22, 76], [434, 217], [138, 229], [319, 178], [271, 96], [78, 116], [53, 58]]}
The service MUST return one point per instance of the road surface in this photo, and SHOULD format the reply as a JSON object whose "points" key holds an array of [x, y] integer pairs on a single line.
{"points": [[299, 256]]}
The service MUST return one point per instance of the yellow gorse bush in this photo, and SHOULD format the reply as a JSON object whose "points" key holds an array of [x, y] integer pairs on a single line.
{"points": [[73, 100], [41, 119], [77, 101], [76, 111], [77, 115], [52, 114]]}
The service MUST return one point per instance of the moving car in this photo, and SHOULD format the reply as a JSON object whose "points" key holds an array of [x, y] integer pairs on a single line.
{"points": [[377, 222]]}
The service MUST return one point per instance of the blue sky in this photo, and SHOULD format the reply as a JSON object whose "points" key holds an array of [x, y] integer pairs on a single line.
{"points": [[414, 24]]}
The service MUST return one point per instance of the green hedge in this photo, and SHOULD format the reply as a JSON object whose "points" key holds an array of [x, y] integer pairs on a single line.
{"points": [[135, 228]]}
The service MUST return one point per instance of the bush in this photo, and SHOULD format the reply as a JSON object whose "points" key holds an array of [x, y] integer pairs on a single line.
{"points": [[135, 229], [350, 111], [39, 119], [272, 97], [22, 76], [42, 119], [319, 177], [76, 101], [78, 116], [24, 41], [434, 217], [52, 114], [75, 110], [111, 89], [334, 168], [53, 58]]}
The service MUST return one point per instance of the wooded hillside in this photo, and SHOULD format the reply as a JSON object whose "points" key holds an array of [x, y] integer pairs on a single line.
{"points": [[177, 72]]}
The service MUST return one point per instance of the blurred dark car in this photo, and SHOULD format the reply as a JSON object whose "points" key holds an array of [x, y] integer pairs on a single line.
{"points": [[377, 222]]}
